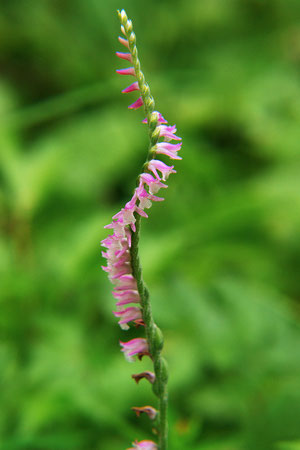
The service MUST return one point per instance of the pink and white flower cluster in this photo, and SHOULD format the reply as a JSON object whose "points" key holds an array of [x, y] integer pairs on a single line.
{"points": [[118, 244], [123, 224]]}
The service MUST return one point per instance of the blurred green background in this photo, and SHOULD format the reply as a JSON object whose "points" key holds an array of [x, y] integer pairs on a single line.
{"points": [[221, 255]]}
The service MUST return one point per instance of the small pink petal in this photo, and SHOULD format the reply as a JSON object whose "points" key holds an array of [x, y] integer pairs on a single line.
{"points": [[120, 273], [125, 293], [168, 146], [127, 71], [123, 41], [137, 104], [128, 315], [168, 153], [125, 285], [154, 184], [128, 235], [141, 212], [126, 282], [165, 148], [125, 301], [133, 87], [134, 347], [143, 194], [165, 170], [168, 132], [121, 261], [161, 119], [131, 203], [126, 56]]}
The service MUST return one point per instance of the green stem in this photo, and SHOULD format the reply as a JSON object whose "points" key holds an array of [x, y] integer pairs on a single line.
{"points": [[153, 333]]}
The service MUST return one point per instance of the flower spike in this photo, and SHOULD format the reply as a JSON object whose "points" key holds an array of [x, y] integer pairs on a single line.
{"points": [[133, 306]]}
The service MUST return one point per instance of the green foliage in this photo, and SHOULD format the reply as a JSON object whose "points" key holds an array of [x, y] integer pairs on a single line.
{"points": [[221, 255]]}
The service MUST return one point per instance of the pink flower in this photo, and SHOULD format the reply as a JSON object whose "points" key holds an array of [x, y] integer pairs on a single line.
{"points": [[118, 258], [125, 293], [168, 149], [154, 184], [126, 282], [145, 198], [127, 71], [161, 119], [143, 445], [133, 87], [154, 165], [112, 243], [126, 216], [137, 346], [117, 272], [168, 132], [123, 41], [126, 56], [128, 315], [126, 296], [137, 104]]}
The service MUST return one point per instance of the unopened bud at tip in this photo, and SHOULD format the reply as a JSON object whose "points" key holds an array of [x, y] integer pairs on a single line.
{"points": [[122, 16]]}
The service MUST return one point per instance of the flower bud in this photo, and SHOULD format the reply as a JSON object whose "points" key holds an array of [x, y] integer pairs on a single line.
{"points": [[146, 90], [151, 104], [128, 26], [155, 134], [132, 38], [123, 17], [157, 340]]}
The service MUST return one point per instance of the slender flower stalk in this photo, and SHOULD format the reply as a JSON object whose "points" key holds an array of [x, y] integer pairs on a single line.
{"points": [[123, 263]]}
